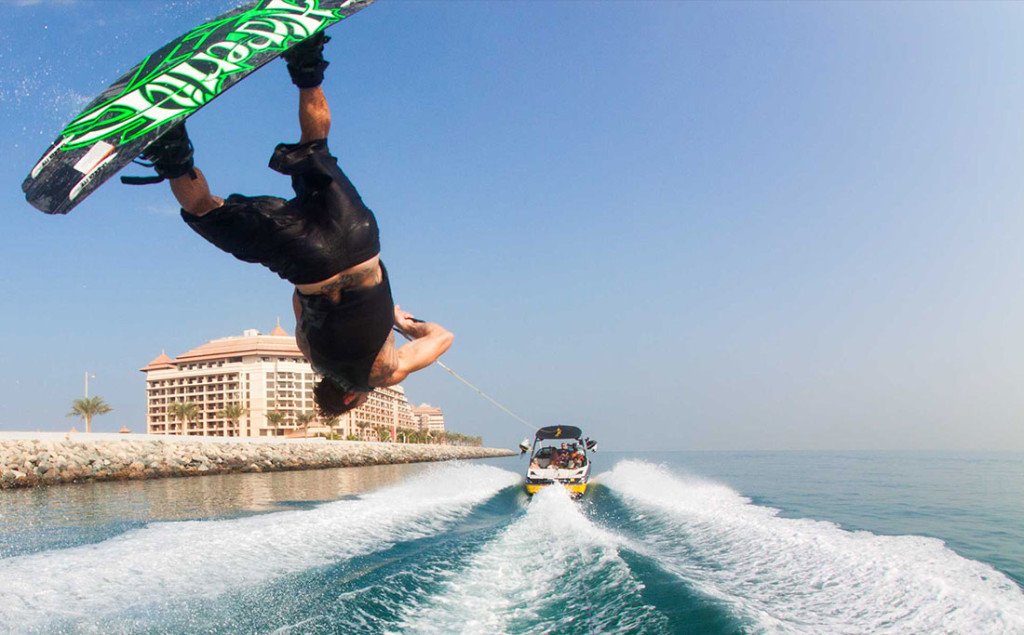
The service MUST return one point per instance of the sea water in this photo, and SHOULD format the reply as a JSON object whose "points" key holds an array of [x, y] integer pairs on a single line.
{"points": [[663, 543]]}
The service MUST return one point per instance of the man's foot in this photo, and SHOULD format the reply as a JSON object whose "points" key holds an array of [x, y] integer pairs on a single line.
{"points": [[306, 61], [170, 156]]}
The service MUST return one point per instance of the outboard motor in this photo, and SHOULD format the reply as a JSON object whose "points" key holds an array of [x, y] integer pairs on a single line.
{"points": [[524, 447], [591, 445]]}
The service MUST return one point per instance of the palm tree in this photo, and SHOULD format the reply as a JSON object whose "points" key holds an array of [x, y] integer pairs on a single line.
{"points": [[233, 413], [330, 422], [362, 425], [275, 418], [184, 411], [305, 418], [87, 408], [465, 439]]}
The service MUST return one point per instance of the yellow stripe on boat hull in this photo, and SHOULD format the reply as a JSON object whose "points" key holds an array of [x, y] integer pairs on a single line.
{"points": [[577, 489]]}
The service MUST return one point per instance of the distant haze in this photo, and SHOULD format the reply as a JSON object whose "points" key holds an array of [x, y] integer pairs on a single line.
{"points": [[677, 225]]}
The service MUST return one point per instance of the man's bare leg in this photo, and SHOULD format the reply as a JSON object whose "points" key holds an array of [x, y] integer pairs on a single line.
{"points": [[314, 115], [193, 194]]}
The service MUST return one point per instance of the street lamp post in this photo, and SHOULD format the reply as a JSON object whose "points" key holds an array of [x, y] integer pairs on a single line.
{"points": [[87, 376]]}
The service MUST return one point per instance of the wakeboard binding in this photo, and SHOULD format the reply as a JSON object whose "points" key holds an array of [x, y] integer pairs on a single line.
{"points": [[171, 155], [306, 62]]}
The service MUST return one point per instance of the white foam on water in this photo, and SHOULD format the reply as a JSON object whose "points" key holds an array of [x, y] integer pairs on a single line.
{"points": [[549, 571], [167, 562], [801, 575]]}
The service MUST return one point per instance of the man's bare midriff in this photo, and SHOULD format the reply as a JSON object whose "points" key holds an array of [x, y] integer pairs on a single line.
{"points": [[365, 274]]}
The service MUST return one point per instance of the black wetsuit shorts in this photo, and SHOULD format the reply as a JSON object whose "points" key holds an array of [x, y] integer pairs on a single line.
{"points": [[325, 229]]}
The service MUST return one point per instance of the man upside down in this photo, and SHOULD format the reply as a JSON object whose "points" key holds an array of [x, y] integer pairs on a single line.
{"points": [[325, 241]]}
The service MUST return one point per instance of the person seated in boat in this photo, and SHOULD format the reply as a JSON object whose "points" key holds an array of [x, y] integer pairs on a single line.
{"points": [[565, 456], [556, 457], [552, 456], [579, 458]]}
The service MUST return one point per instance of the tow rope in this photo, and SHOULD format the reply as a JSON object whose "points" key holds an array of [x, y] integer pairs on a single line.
{"points": [[489, 398]]}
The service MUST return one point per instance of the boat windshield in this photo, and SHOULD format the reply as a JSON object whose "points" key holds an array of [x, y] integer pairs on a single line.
{"points": [[558, 454]]}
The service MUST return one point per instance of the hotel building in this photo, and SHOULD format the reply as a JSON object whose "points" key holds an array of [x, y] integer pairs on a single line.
{"points": [[269, 377], [430, 418]]}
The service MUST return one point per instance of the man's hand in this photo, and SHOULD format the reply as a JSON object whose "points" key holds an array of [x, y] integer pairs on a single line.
{"points": [[428, 342], [408, 325]]}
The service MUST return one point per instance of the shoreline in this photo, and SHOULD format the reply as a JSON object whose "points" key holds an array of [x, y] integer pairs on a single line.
{"points": [[31, 459]]}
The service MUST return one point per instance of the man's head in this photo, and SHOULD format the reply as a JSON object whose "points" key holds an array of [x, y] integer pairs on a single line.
{"points": [[333, 400]]}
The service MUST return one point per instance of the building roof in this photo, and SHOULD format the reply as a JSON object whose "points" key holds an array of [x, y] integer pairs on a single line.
{"points": [[425, 408], [278, 344], [242, 345], [160, 362]]}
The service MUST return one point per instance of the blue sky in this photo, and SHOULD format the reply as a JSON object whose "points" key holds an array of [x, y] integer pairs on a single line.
{"points": [[679, 225]]}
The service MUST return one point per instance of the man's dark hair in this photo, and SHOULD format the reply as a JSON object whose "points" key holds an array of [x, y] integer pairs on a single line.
{"points": [[330, 398]]}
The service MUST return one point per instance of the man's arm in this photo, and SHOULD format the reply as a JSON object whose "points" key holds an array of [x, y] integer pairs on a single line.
{"points": [[429, 342]]}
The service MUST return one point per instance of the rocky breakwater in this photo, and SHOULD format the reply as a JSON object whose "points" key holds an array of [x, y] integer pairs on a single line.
{"points": [[32, 462]]}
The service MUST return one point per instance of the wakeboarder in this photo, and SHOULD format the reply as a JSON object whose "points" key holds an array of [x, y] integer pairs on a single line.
{"points": [[324, 241]]}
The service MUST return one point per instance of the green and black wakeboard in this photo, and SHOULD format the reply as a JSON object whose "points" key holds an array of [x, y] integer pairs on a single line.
{"points": [[168, 87]]}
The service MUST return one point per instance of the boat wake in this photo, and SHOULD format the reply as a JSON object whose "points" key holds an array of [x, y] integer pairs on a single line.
{"points": [[151, 568], [799, 575], [552, 570], [457, 549]]}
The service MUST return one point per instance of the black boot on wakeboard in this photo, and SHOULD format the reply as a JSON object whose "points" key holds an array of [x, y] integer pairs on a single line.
{"points": [[306, 61], [170, 156]]}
